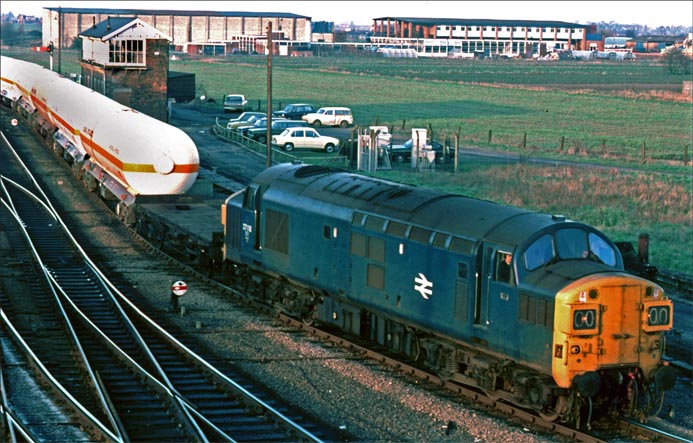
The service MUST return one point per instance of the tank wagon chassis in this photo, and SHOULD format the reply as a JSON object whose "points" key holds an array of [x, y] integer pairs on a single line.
{"points": [[467, 363]]}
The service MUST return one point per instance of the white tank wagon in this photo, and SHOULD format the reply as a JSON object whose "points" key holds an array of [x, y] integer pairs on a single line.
{"points": [[111, 146]]}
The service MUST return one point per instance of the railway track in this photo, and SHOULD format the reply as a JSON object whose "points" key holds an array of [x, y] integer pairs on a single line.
{"points": [[144, 384], [569, 432]]}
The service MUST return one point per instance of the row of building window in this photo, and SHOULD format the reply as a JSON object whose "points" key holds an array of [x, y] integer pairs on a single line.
{"points": [[502, 29]]}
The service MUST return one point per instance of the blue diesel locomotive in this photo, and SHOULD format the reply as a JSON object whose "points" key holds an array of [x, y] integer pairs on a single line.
{"points": [[532, 308]]}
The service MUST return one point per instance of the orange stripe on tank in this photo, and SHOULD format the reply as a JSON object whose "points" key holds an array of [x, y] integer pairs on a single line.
{"points": [[98, 149]]}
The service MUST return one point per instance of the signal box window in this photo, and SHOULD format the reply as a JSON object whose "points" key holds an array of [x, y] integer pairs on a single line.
{"points": [[126, 52]]}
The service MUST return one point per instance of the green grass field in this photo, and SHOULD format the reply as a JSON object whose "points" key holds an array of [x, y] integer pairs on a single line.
{"points": [[446, 97], [605, 111], [619, 114]]}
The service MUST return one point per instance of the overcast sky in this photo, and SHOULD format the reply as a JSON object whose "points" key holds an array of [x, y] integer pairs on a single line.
{"points": [[650, 13]]}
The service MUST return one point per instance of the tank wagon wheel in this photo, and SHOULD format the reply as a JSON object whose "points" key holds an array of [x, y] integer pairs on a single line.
{"points": [[343, 124], [329, 148]]}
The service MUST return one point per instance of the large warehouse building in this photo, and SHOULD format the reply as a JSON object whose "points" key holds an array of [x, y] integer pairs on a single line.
{"points": [[61, 26]]}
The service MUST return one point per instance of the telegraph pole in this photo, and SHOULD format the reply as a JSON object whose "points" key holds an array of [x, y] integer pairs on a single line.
{"points": [[270, 48]]}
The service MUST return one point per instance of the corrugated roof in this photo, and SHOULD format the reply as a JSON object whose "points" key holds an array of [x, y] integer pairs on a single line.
{"points": [[175, 12], [482, 22]]}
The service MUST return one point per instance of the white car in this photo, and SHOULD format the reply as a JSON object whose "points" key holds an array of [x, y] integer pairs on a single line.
{"points": [[332, 116], [308, 138], [235, 103]]}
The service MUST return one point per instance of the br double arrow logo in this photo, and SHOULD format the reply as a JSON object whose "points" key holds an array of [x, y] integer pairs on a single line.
{"points": [[423, 286]]}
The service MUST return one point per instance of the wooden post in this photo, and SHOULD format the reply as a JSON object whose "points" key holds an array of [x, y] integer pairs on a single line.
{"points": [[490, 135], [457, 151], [524, 140], [603, 146], [643, 152], [685, 154], [562, 143], [404, 123]]}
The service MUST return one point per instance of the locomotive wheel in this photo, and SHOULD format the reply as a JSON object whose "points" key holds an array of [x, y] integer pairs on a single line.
{"points": [[492, 394], [308, 319], [554, 413]]}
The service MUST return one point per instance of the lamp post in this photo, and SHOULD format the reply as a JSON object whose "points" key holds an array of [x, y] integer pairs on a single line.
{"points": [[269, 94]]}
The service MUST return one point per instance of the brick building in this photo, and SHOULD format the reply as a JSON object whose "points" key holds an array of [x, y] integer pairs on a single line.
{"points": [[439, 37]]}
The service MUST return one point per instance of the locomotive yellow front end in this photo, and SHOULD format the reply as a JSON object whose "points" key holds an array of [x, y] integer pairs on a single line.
{"points": [[609, 339]]}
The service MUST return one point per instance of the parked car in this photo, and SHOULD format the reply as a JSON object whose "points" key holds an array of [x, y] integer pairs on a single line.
{"points": [[304, 138], [294, 111], [235, 103], [330, 116], [402, 153], [258, 123], [278, 126], [244, 119]]}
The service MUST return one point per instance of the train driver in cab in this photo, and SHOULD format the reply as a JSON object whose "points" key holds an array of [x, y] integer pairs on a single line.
{"points": [[503, 267]]}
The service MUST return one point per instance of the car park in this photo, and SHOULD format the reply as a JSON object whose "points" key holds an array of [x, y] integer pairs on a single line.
{"points": [[304, 138], [278, 126], [247, 118], [402, 153], [330, 116], [235, 103], [294, 111]]}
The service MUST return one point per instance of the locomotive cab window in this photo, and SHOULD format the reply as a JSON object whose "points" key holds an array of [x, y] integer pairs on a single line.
{"points": [[569, 244]]}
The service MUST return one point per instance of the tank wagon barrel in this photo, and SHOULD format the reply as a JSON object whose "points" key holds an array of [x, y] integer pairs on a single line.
{"points": [[123, 152]]}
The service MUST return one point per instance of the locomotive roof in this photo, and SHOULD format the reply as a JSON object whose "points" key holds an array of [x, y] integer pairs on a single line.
{"points": [[455, 214]]}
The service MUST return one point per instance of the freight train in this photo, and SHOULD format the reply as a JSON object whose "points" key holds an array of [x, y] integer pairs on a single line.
{"points": [[115, 149], [531, 308]]}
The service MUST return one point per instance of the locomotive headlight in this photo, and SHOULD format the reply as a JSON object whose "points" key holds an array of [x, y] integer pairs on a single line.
{"points": [[585, 321], [575, 349], [657, 316]]}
